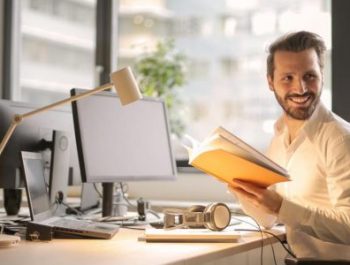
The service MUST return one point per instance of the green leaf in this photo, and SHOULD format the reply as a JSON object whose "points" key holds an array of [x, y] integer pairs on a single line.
{"points": [[160, 74]]}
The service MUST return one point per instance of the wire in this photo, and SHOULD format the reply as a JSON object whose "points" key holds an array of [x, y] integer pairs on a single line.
{"points": [[262, 243], [283, 245], [72, 208], [272, 234], [133, 228], [258, 228], [264, 231], [97, 191], [123, 191], [154, 213], [273, 253]]}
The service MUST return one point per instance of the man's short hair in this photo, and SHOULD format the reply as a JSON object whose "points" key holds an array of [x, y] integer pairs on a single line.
{"points": [[296, 42]]}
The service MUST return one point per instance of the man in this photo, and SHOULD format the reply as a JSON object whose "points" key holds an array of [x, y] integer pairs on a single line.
{"points": [[313, 144]]}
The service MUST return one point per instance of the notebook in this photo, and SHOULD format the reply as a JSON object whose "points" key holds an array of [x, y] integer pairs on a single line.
{"points": [[190, 235], [42, 212]]}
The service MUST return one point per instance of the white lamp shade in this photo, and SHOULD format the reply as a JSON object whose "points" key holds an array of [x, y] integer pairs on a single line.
{"points": [[126, 85]]}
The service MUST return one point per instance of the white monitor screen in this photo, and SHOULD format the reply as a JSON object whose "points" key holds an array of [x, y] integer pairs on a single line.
{"points": [[122, 143]]}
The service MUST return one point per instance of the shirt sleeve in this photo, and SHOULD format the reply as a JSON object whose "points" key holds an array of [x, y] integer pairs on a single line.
{"points": [[330, 224]]}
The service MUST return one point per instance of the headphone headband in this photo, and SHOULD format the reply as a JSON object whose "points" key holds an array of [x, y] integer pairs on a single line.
{"points": [[215, 216]]}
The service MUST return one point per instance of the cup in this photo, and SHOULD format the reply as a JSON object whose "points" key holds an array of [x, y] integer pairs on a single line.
{"points": [[12, 201]]}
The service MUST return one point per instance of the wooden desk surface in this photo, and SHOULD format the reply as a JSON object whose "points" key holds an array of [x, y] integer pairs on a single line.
{"points": [[125, 248]]}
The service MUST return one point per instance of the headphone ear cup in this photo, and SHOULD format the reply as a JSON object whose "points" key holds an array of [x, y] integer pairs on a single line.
{"points": [[197, 209], [219, 216]]}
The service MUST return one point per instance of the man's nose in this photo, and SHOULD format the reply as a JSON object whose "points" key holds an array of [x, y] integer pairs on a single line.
{"points": [[300, 87]]}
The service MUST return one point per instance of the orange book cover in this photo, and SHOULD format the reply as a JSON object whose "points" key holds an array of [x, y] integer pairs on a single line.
{"points": [[225, 156]]}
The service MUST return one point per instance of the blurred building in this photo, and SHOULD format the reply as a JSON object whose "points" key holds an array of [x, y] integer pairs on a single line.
{"points": [[225, 42]]}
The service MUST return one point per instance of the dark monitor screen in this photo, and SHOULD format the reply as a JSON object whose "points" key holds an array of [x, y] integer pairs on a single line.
{"points": [[122, 143], [27, 136]]}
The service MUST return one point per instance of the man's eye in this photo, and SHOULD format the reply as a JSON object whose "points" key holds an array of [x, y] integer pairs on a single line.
{"points": [[287, 78], [310, 77]]}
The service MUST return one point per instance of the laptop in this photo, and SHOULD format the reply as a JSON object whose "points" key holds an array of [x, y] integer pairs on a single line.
{"points": [[43, 213]]}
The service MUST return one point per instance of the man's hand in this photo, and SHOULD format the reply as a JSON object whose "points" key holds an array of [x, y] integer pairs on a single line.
{"points": [[268, 200]]}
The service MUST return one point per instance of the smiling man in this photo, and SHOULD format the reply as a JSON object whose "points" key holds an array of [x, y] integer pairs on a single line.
{"points": [[313, 144]]}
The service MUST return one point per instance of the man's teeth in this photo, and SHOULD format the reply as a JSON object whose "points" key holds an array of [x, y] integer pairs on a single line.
{"points": [[300, 99]]}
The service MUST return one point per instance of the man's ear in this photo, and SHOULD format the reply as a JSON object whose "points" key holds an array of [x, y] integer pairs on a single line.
{"points": [[270, 82]]}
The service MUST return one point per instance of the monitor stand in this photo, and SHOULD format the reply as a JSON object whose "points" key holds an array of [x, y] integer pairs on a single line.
{"points": [[89, 198], [113, 202], [107, 199], [59, 170]]}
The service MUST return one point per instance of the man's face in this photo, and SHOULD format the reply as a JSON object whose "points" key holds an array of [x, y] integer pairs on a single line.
{"points": [[297, 82]]}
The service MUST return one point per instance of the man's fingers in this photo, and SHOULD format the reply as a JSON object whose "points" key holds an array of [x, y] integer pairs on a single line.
{"points": [[248, 187], [242, 193]]}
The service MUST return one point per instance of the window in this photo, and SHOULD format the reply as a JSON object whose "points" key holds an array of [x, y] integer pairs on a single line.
{"points": [[225, 42], [57, 50]]}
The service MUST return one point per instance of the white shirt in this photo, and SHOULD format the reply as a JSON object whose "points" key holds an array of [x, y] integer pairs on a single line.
{"points": [[316, 204]]}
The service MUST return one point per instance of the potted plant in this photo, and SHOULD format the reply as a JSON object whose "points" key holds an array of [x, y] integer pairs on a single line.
{"points": [[161, 73]]}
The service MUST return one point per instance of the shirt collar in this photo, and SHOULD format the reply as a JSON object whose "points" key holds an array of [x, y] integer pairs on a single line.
{"points": [[309, 127]]}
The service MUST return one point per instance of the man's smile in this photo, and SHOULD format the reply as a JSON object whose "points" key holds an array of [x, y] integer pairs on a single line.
{"points": [[300, 100]]}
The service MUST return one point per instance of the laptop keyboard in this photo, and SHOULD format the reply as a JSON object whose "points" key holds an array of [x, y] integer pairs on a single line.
{"points": [[84, 228], [72, 224]]}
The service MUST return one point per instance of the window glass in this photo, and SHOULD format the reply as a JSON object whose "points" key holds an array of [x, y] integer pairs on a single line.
{"points": [[57, 49], [225, 42]]}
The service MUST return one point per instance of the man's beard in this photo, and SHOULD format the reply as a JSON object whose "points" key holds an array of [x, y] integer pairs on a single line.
{"points": [[299, 113]]}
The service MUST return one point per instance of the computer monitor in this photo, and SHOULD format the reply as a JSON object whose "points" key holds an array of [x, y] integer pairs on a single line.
{"points": [[27, 137], [122, 143]]}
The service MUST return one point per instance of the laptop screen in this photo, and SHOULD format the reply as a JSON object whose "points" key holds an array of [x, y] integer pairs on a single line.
{"points": [[37, 194]]}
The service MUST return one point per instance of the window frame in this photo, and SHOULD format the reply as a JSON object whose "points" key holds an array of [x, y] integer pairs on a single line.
{"points": [[105, 59]]}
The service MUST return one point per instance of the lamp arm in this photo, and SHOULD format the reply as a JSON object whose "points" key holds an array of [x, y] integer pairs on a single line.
{"points": [[18, 118], [68, 100]]}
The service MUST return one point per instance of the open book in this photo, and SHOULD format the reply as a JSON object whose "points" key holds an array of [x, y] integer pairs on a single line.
{"points": [[225, 156]]}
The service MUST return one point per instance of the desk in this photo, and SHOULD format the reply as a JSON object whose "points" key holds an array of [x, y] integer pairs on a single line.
{"points": [[125, 249]]}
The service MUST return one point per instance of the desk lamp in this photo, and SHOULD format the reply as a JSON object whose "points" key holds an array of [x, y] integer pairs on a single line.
{"points": [[123, 81], [126, 87]]}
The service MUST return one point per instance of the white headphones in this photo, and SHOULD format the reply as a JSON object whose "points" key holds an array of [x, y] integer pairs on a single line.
{"points": [[215, 216]]}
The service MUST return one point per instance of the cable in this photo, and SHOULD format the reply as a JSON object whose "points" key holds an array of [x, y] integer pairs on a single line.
{"points": [[264, 231], [133, 228], [271, 244], [272, 234], [154, 213], [72, 208], [123, 191], [123, 194], [97, 191], [287, 249], [258, 227], [273, 253]]}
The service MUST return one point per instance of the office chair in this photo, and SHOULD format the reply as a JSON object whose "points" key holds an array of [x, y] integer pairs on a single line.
{"points": [[310, 261]]}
